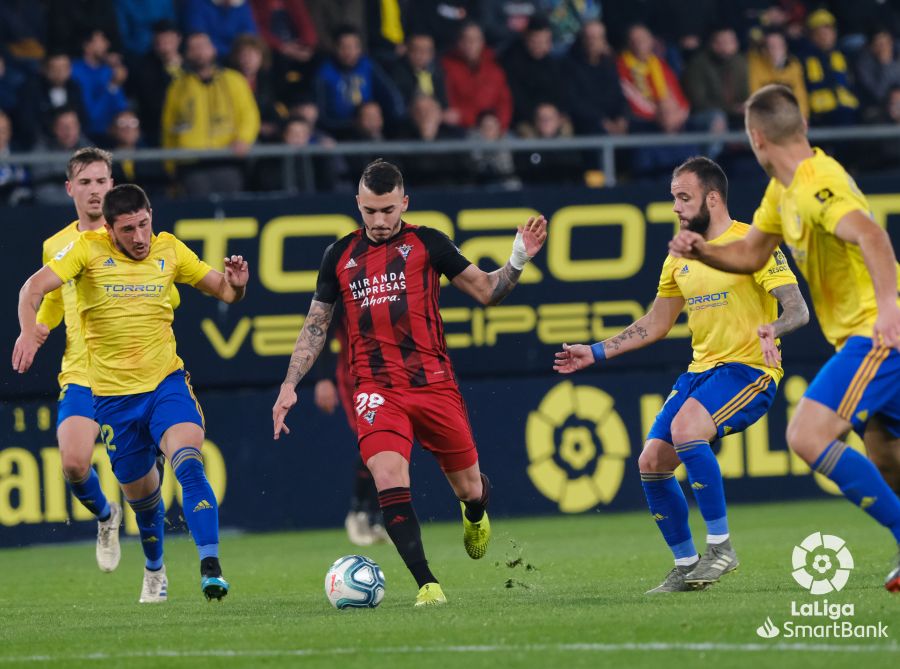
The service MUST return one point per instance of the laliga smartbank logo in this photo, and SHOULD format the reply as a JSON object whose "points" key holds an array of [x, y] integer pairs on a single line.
{"points": [[821, 565]]}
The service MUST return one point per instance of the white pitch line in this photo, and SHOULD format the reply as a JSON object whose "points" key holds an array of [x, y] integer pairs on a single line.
{"points": [[524, 648]]}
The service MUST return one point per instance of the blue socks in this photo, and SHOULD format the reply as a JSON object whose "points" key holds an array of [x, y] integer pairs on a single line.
{"points": [[201, 510], [861, 483], [706, 481], [90, 494], [150, 514], [670, 511]]}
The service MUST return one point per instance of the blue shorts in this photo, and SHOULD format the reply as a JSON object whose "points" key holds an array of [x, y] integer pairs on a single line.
{"points": [[735, 395], [74, 400], [132, 426], [859, 382]]}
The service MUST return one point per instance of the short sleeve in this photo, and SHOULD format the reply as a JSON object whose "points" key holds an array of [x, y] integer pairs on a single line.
{"points": [[824, 205], [775, 273], [767, 218], [667, 286], [327, 288], [71, 260], [189, 268], [445, 257]]}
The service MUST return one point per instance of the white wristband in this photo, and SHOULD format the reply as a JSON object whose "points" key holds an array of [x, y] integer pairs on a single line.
{"points": [[519, 256]]}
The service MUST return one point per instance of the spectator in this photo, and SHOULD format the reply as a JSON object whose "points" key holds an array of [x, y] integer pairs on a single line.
{"points": [[368, 123], [386, 21], [831, 97], [222, 20], [49, 178], [594, 93], [68, 21], [680, 26], [209, 107], [52, 90], [546, 167], [349, 79], [492, 167], [716, 79], [418, 73], [329, 16], [857, 19], [137, 19], [534, 75], [887, 158], [878, 71], [100, 75], [12, 83], [475, 82], [443, 19], [566, 19], [770, 63], [156, 71], [13, 178], [287, 27], [125, 133], [311, 174], [426, 125], [23, 29], [251, 57], [647, 81], [505, 21]]}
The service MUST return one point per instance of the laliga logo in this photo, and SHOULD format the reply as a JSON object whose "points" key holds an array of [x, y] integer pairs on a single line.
{"points": [[822, 563]]}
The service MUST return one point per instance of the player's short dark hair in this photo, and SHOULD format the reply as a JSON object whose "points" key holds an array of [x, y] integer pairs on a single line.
{"points": [[775, 112], [382, 177], [709, 174], [124, 199], [86, 156]]}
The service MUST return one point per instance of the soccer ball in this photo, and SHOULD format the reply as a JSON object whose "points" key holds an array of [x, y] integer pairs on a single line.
{"points": [[354, 581]]}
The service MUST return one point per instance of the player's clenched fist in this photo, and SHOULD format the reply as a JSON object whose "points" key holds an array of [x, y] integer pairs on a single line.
{"points": [[287, 398], [686, 244]]}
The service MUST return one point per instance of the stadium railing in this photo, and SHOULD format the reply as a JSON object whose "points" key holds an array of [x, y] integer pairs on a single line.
{"points": [[605, 145]]}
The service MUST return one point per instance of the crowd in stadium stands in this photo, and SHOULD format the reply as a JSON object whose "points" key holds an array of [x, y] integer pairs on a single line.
{"points": [[200, 74]]}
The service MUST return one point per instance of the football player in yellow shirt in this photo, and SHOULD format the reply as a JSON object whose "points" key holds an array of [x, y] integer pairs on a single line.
{"points": [[731, 382], [849, 264], [88, 178], [142, 395]]}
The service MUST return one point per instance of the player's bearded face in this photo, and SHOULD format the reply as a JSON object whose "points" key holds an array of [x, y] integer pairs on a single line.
{"points": [[381, 214], [131, 234], [87, 188], [700, 222]]}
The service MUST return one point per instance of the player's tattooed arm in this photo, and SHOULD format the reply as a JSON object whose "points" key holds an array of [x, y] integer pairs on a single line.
{"points": [[502, 281], [794, 314], [651, 327], [310, 341]]}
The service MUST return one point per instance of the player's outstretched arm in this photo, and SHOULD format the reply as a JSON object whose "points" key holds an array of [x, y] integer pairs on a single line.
{"points": [[490, 288], [878, 253], [651, 327], [30, 337], [744, 256], [794, 315], [309, 345], [230, 285]]}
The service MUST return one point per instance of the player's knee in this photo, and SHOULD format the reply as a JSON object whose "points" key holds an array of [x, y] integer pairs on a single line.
{"points": [[75, 469], [650, 460], [799, 441], [684, 429]]}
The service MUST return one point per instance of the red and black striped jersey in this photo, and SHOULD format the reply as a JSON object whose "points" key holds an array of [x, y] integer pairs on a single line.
{"points": [[389, 291]]}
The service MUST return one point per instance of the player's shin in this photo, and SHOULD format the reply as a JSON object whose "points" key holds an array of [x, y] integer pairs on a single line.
{"points": [[90, 494], [201, 510], [861, 483], [670, 511], [706, 482], [150, 514], [402, 526]]}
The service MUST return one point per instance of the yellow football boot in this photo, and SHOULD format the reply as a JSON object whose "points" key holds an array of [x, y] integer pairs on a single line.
{"points": [[430, 594], [476, 536]]}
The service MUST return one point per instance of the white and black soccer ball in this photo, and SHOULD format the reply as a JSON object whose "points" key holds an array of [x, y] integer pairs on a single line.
{"points": [[354, 581]]}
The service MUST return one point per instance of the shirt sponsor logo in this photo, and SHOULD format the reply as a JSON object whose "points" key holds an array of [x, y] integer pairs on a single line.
{"points": [[719, 299], [134, 289], [378, 288]]}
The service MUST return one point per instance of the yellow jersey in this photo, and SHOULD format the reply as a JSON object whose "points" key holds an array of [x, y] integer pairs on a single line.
{"points": [[724, 310], [62, 304], [806, 214], [125, 310]]}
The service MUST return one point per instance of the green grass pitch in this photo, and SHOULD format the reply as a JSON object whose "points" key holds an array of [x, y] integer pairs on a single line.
{"points": [[552, 592]]}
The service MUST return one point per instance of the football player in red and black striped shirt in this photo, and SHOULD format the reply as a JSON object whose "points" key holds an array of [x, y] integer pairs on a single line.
{"points": [[387, 277]]}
